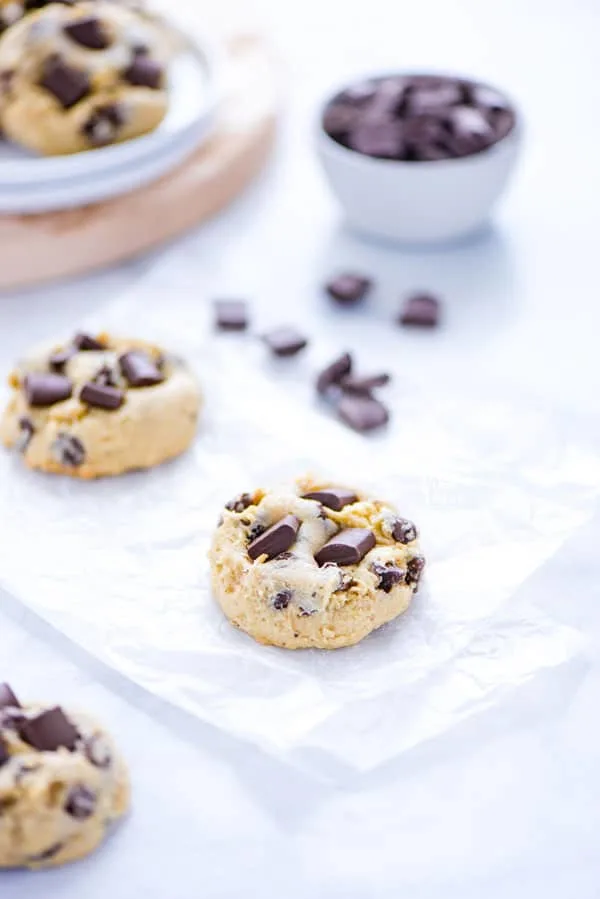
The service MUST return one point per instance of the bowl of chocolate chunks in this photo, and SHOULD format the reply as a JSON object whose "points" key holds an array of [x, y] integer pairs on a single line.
{"points": [[417, 158]]}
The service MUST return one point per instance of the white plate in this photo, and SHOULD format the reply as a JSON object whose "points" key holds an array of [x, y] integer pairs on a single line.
{"points": [[193, 98]]}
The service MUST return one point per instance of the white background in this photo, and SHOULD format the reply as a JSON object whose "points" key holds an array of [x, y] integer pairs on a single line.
{"points": [[489, 813]]}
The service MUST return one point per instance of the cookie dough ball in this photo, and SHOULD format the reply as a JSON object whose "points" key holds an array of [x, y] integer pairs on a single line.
{"points": [[80, 77], [316, 565], [12, 11], [62, 784], [100, 405]]}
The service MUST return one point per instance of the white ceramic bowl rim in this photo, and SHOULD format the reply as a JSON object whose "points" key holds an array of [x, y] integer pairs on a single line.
{"points": [[364, 158]]}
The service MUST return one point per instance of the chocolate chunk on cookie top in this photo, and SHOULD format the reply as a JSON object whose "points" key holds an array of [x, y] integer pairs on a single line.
{"points": [[312, 564], [56, 804], [100, 405]]}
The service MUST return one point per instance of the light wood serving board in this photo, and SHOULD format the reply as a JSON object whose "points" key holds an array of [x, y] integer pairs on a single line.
{"points": [[38, 248]]}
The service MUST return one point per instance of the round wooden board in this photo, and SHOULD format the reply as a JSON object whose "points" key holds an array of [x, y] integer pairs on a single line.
{"points": [[38, 248]]}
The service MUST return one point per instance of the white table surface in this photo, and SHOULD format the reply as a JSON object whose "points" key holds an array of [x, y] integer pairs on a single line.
{"points": [[516, 813]]}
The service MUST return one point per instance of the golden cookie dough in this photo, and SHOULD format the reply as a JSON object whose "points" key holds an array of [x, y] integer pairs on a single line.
{"points": [[76, 78], [62, 784], [285, 588], [100, 405]]}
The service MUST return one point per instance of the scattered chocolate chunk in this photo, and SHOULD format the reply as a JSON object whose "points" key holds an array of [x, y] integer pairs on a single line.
{"points": [[349, 288], [139, 369], [89, 32], [144, 72], [334, 373], [46, 389], [67, 84], [97, 752], [239, 503], [10, 718], [363, 413], [8, 698], [276, 539], [282, 599], [4, 756], [389, 575], [414, 570], [404, 531], [285, 341], [58, 360], [363, 386], [49, 730], [256, 530], [338, 120], [106, 377], [103, 125], [421, 310], [26, 432], [83, 342], [231, 315], [334, 497], [68, 450], [347, 547], [101, 396], [50, 852], [80, 803], [383, 140], [504, 122]]}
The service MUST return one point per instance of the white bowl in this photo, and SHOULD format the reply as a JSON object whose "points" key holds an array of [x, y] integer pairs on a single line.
{"points": [[417, 202]]}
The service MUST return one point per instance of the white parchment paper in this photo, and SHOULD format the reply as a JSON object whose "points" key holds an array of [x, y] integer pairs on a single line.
{"points": [[120, 565]]}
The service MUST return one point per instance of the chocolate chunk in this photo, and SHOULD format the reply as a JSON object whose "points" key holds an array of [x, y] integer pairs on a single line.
{"points": [[144, 72], [4, 756], [50, 852], [89, 32], [438, 93], [7, 77], [58, 360], [83, 342], [43, 389], [384, 140], [67, 84], [255, 531], [404, 531], [68, 450], [333, 497], [334, 372], [421, 310], [97, 752], [10, 718], [365, 385], [8, 698], [80, 803], [347, 547], [231, 315], [503, 122], [106, 377], [139, 370], [349, 288], [101, 396], [239, 503], [276, 539], [49, 730], [103, 125], [414, 571], [363, 413], [339, 118], [282, 600], [285, 341], [389, 575], [304, 613], [26, 432]]}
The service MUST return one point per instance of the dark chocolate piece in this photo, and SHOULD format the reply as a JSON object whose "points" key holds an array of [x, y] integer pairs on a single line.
{"points": [[103, 125], [4, 757], [89, 32], [139, 370], [101, 396], [363, 413], [231, 315], [285, 341], [26, 432], [333, 497], [80, 803], [276, 539], [84, 342], [347, 547], [8, 698], [239, 503], [67, 84], [106, 377], [384, 140], [414, 570], [45, 389], [282, 600], [389, 575], [349, 288], [58, 360], [48, 731], [50, 852], [334, 372], [339, 118], [363, 386], [144, 72], [422, 310], [68, 450], [404, 531]]}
